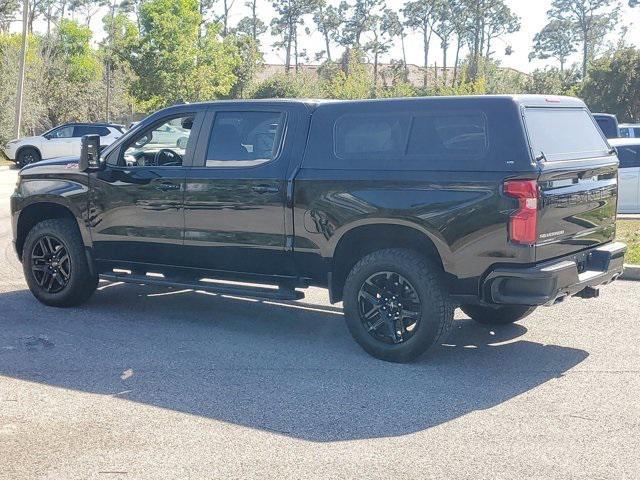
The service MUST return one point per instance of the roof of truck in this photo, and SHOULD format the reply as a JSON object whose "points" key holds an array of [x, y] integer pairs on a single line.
{"points": [[529, 100]]}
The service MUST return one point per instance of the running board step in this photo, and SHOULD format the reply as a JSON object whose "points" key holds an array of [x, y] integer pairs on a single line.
{"points": [[280, 293]]}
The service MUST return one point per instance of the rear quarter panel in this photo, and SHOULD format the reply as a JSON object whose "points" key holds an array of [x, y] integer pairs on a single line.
{"points": [[465, 216]]}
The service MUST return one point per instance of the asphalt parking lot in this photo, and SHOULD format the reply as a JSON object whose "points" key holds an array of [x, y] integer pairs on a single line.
{"points": [[155, 383]]}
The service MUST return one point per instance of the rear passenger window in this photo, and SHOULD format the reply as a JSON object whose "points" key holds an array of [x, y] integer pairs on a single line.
{"points": [[448, 134], [443, 134], [244, 138], [82, 130], [358, 135], [629, 157]]}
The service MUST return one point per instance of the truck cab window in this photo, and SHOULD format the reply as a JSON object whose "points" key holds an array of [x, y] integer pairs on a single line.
{"points": [[244, 138], [162, 145]]}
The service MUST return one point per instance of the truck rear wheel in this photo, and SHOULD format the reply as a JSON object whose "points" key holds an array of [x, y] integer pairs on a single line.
{"points": [[497, 316], [55, 265], [395, 304]]}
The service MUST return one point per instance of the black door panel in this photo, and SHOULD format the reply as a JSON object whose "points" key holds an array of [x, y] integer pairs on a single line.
{"points": [[137, 202], [234, 224], [236, 195], [137, 214]]}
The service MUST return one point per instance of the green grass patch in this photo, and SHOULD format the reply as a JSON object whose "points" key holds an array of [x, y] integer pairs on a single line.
{"points": [[629, 232]]}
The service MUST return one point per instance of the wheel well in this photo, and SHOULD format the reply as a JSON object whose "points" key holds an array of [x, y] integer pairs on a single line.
{"points": [[34, 214], [362, 241]]}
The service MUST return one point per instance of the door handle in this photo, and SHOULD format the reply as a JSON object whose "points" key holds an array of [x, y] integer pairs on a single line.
{"points": [[265, 189], [167, 186]]}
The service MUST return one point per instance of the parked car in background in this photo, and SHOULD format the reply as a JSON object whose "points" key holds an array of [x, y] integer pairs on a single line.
{"points": [[608, 124], [629, 174], [630, 130], [61, 141]]}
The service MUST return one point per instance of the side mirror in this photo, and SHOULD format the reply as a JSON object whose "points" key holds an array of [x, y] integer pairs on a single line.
{"points": [[90, 154]]}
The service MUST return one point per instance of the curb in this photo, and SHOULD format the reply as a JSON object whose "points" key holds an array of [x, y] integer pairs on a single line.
{"points": [[631, 272]]}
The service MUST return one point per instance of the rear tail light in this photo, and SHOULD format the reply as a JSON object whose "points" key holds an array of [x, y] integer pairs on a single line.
{"points": [[523, 223]]}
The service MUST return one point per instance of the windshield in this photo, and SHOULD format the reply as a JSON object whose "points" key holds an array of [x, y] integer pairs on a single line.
{"points": [[564, 134]]}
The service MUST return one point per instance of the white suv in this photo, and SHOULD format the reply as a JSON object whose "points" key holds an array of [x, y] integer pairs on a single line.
{"points": [[61, 141]]}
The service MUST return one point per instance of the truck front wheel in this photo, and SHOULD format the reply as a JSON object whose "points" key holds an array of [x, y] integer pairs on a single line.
{"points": [[395, 304], [55, 265], [499, 315]]}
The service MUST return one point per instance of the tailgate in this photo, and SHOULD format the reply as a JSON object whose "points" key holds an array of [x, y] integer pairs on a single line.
{"points": [[578, 182]]}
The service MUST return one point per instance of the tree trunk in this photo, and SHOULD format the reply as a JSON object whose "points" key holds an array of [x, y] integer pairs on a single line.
{"points": [[110, 52], [457, 62], [295, 44], [444, 63], [404, 58], [225, 20], [32, 16], [327, 44], [585, 56], [375, 74], [254, 23], [325, 32], [288, 41], [49, 21], [473, 67], [425, 40]]}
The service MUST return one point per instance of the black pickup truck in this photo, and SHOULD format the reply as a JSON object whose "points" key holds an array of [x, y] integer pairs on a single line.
{"points": [[403, 209]]}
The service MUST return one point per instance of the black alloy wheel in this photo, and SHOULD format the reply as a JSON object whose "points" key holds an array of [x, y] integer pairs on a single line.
{"points": [[50, 264], [28, 156], [389, 307]]}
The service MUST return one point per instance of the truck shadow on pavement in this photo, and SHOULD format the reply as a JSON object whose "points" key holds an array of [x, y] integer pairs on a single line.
{"points": [[290, 368]]}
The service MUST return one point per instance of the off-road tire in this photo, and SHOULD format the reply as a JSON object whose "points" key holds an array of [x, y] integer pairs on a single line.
{"points": [[497, 316], [27, 156], [425, 276], [82, 282]]}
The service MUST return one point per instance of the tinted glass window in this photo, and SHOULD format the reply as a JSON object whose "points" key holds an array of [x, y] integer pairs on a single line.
{"points": [[358, 135], [464, 134], [564, 134], [62, 132], [608, 126], [81, 130], [244, 138], [629, 157], [636, 132], [400, 135]]}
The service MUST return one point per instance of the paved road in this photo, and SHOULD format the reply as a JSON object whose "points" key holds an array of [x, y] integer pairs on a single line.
{"points": [[150, 383]]}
